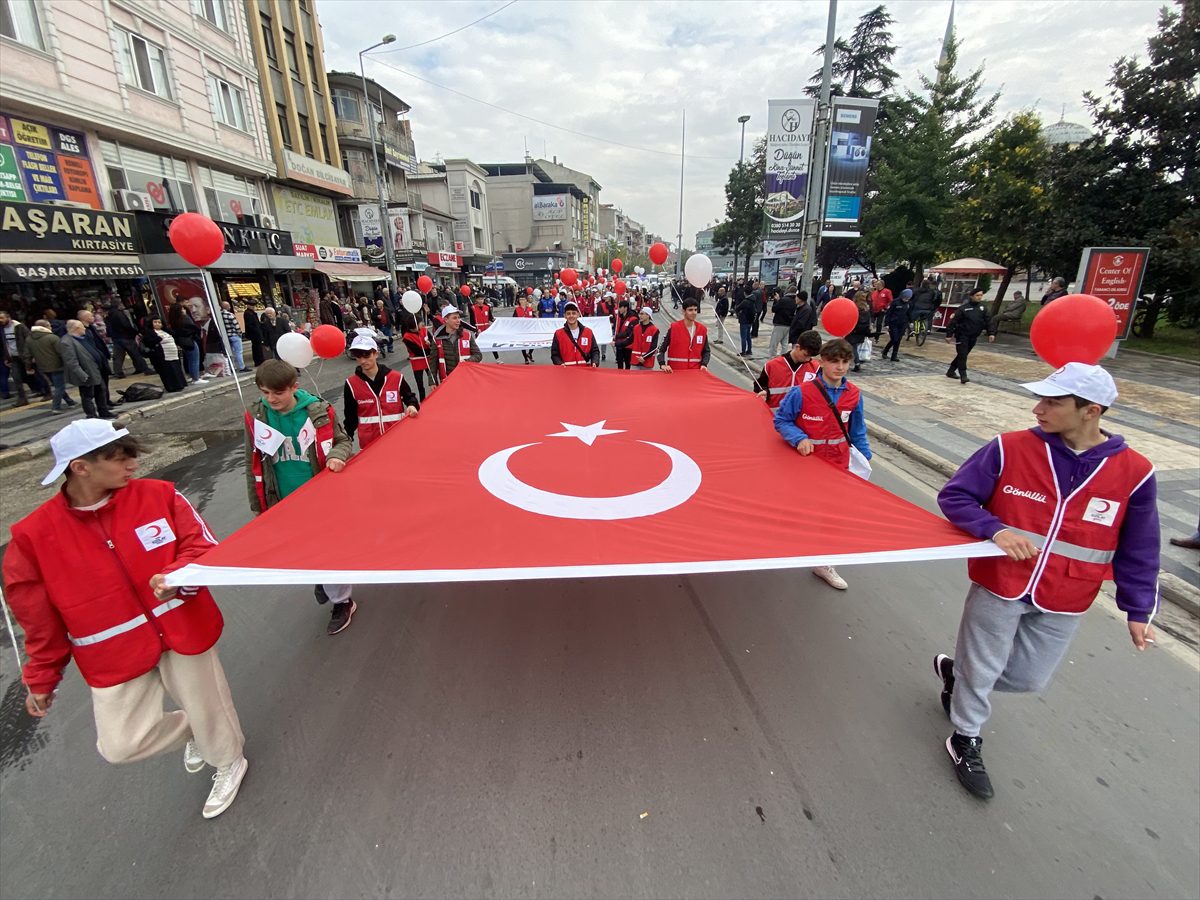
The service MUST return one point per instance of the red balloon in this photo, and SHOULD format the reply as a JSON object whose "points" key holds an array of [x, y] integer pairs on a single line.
{"points": [[328, 341], [618, 285], [465, 290], [528, 291], [568, 276], [197, 239], [659, 253], [617, 265], [839, 316], [553, 292], [424, 284], [1075, 328]]}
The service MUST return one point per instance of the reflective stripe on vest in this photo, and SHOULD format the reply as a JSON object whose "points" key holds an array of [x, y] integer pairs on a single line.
{"points": [[1063, 548], [133, 623], [375, 420], [815, 442]]}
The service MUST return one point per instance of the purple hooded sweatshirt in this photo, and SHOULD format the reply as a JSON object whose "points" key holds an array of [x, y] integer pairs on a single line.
{"points": [[1136, 563]]}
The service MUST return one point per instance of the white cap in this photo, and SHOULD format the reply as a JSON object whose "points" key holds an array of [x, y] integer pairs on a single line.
{"points": [[648, 311], [80, 437], [1089, 383], [448, 309], [363, 342], [569, 304]]}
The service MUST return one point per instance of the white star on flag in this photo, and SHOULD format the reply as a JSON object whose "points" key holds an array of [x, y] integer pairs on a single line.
{"points": [[587, 433]]}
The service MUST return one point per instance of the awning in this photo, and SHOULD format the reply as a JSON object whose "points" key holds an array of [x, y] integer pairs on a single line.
{"points": [[351, 271], [968, 266], [68, 266]]}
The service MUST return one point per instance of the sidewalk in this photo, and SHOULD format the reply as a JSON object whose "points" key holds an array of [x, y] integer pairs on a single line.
{"points": [[940, 422]]}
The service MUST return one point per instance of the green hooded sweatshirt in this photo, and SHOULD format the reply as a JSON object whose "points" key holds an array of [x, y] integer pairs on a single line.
{"points": [[292, 467]]}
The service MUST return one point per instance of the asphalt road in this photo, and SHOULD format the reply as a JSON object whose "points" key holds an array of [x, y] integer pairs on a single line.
{"points": [[709, 736]]}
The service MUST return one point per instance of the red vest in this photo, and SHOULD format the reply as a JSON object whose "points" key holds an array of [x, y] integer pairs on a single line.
{"points": [[684, 352], [324, 440], [479, 316], [817, 421], [376, 413], [566, 347], [464, 350], [524, 312], [1078, 533], [95, 570], [415, 342], [781, 378], [587, 306], [643, 339]]}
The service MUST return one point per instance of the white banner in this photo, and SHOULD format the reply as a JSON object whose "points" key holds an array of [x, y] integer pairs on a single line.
{"points": [[549, 207], [372, 228], [511, 333]]}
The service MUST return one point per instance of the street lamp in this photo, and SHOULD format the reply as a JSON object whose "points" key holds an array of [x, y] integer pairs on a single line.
{"points": [[741, 156], [385, 231], [496, 267]]}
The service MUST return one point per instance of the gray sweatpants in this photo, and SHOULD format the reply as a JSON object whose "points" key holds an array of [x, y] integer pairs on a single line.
{"points": [[1003, 645]]}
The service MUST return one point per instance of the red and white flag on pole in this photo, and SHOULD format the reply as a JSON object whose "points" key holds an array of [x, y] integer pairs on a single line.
{"points": [[566, 473]]}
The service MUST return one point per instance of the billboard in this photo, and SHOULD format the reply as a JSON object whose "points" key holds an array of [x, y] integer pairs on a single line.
{"points": [[846, 175], [550, 207], [1114, 274], [310, 218], [42, 163], [369, 224], [789, 146]]}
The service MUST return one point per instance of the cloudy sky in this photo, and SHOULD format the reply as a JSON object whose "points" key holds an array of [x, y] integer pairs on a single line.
{"points": [[621, 73]]}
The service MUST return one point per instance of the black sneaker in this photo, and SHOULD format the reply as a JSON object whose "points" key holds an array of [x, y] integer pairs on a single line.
{"points": [[968, 764], [342, 614], [943, 668]]}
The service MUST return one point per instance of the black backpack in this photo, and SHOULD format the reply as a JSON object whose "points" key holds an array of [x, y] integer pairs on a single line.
{"points": [[139, 391]]}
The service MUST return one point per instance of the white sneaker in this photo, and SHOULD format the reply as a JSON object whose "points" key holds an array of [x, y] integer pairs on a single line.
{"points": [[829, 575], [226, 782], [192, 760]]}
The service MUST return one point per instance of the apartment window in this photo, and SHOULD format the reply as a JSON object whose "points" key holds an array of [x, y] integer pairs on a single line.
{"points": [[269, 40], [144, 63], [229, 102], [325, 143], [476, 199], [441, 236], [166, 179], [346, 105], [214, 11], [19, 21], [306, 137], [289, 42], [478, 238], [285, 133], [312, 64]]}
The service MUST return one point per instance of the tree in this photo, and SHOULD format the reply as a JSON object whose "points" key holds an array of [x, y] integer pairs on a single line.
{"points": [[922, 170], [745, 195], [862, 64], [1006, 199], [1150, 126]]}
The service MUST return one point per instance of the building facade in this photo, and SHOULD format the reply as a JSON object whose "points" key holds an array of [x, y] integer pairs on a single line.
{"points": [[139, 107], [538, 219], [589, 236]]}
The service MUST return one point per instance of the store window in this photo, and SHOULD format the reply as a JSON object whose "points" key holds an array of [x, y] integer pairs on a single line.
{"points": [[19, 21], [143, 63], [229, 102], [165, 178], [346, 105], [213, 11]]}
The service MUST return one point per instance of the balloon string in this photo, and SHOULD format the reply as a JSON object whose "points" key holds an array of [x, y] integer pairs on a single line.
{"points": [[12, 634]]}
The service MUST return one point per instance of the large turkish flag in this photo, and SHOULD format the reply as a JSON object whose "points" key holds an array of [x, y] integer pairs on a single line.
{"points": [[548, 472]]}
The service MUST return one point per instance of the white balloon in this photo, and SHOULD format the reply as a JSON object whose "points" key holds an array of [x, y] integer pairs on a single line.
{"points": [[537, 293], [294, 348], [411, 301], [698, 269]]}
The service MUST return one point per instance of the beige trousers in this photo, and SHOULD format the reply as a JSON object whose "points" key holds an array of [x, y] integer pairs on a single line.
{"points": [[131, 724]]}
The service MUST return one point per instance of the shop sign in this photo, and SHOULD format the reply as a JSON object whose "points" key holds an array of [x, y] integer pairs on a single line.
{"points": [[309, 217], [326, 253], [301, 168], [1114, 274], [60, 229], [70, 271], [550, 208], [49, 164], [444, 260], [153, 228]]}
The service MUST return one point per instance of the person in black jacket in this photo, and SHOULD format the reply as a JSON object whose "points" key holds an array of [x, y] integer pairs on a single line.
{"points": [[187, 334], [254, 334], [862, 329], [783, 311], [805, 318], [746, 311], [966, 325], [896, 319], [124, 336], [721, 308]]}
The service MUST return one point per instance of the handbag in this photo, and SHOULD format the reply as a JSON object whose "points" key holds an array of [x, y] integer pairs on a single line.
{"points": [[859, 464]]}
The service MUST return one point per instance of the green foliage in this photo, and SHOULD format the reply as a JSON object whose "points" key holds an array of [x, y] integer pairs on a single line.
{"points": [[745, 194], [916, 209], [862, 64]]}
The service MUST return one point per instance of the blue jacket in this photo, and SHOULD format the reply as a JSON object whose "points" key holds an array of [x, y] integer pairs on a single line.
{"points": [[546, 308], [789, 411]]}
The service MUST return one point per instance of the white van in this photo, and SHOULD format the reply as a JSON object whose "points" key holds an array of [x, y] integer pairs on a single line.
{"points": [[502, 280]]}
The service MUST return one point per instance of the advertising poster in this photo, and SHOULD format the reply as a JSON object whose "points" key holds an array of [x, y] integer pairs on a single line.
{"points": [[1114, 274], [188, 288], [789, 146], [10, 177], [550, 207], [846, 174], [370, 224], [40, 163], [310, 218]]}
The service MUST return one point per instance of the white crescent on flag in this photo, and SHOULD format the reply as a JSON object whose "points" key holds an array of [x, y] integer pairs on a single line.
{"points": [[308, 434], [267, 440]]}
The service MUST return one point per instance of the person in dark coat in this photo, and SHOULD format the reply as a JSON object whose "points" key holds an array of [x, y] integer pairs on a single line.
{"points": [[862, 329], [721, 308], [124, 336], [187, 336], [805, 318], [254, 334], [966, 325], [895, 317]]}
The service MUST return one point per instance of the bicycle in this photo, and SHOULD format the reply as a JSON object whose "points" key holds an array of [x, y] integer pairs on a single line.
{"points": [[919, 329]]}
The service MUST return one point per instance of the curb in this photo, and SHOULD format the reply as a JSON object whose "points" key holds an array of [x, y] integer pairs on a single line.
{"points": [[1172, 588], [1147, 355], [34, 449]]}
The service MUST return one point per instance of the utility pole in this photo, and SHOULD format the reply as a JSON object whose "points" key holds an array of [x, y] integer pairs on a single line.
{"points": [[679, 242], [385, 229], [814, 214], [741, 157]]}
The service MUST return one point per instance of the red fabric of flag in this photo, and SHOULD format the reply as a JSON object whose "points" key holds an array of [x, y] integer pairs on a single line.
{"points": [[548, 472]]}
